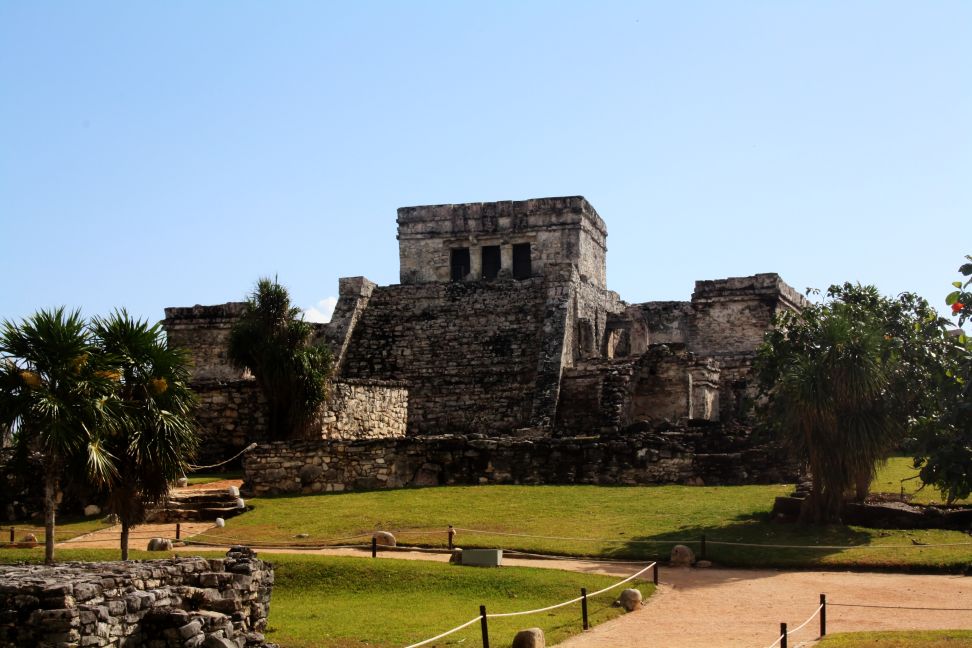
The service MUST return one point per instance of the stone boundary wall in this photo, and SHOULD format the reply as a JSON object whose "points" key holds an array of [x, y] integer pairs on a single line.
{"points": [[711, 454], [175, 602], [365, 409], [232, 414]]}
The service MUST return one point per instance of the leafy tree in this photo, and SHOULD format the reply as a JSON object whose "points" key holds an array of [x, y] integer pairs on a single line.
{"points": [[273, 341], [845, 381], [56, 398], [945, 448], [156, 434]]}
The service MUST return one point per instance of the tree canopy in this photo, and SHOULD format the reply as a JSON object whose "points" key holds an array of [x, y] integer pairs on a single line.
{"points": [[272, 340], [57, 398], [945, 441], [156, 433], [846, 380]]}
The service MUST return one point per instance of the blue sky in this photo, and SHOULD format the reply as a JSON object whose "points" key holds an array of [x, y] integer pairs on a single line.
{"points": [[169, 154]]}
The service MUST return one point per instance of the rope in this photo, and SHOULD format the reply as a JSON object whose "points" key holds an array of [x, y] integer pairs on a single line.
{"points": [[783, 546], [193, 467], [565, 603], [776, 643], [527, 535], [714, 542], [446, 633], [802, 625], [899, 607]]}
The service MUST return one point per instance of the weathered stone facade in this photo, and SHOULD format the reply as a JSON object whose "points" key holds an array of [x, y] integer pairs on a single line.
{"points": [[710, 454], [166, 603], [363, 409], [503, 325]]}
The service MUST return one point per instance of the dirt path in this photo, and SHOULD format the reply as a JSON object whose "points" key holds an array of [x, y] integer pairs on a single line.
{"points": [[696, 608]]}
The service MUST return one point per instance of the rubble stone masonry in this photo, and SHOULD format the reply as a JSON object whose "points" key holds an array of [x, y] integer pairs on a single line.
{"points": [[174, 602]]}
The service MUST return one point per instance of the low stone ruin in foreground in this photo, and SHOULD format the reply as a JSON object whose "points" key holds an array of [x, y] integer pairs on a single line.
{"points": [[214, 603]]}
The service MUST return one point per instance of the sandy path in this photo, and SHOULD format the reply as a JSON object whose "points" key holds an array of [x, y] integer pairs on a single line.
{"points": [[723, 607], [697, 608]]}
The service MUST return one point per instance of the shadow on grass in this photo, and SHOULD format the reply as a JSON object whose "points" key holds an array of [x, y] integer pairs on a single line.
{"points": [[727, 544]]}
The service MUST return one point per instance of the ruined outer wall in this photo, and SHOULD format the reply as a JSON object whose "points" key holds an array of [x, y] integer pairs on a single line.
{"points": [[467, 351], [177, 602], [732, 315], [204, 332], [559, 230], [710, 456]]}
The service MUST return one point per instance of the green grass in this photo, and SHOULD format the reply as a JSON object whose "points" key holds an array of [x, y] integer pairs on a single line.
{"points": [[69, 527], [333, 602], [918, 638], [208, 478], [611, 522], [900, 474], [337, 602]]}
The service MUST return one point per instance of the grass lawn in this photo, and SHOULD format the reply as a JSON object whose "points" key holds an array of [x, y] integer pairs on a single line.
{"points": [[208, 478], [604, 521], [69, 527], [919, 638], [332, 602], [899, 473]]}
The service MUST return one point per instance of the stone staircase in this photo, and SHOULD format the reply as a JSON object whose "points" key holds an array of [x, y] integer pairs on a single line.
{"points": [[200, 504]]}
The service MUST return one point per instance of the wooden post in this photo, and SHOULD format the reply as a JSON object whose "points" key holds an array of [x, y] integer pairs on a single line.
{"points": [[482, 622], [783, 634], [823, 615], [178, 531], [452, 535], [654, 573], [374, 546], [11, 535], [584, 607], [702, 548]]}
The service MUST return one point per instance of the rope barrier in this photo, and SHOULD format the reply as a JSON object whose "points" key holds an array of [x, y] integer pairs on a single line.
{"points": [[501, 615], [217, 465], [714, 542], [802, 625], [777, 642], [539, 537], [899, 607], [446, 633]]}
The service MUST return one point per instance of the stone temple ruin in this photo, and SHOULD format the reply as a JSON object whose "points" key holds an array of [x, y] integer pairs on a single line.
{"points": [[502, 357]]}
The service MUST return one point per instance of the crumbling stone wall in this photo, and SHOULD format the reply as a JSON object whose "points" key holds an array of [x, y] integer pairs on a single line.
{"points": [[702, 455], [667, 383], [364, 409], [469, 352], [204, 332], [173, 602]]}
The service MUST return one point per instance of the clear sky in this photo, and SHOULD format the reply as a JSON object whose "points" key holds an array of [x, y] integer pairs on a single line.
{"points": [[170, 153]]}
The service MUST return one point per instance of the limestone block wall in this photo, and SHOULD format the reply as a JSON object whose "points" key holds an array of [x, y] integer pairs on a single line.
{"points": [[364, 409], [559, 230], [230, 415], [732, 315], [712, 455], [172, 602], [469, 352], [204, 332]]}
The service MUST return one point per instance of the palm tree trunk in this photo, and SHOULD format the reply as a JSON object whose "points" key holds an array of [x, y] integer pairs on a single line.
{"points": [[126, 527], [50, 508]]}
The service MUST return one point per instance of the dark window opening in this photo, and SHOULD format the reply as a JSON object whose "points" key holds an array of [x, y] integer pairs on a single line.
{"points": [[458, 263], [521, 261], [491, 261]]}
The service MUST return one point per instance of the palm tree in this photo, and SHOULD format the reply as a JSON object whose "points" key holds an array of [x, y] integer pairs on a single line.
{"points": [[157, 434], [56, 399], [832, 404], [273, 342]]}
